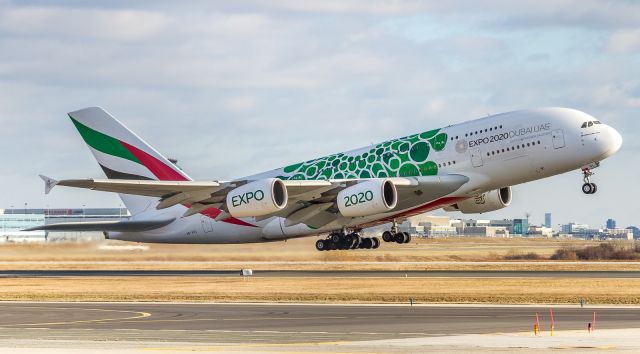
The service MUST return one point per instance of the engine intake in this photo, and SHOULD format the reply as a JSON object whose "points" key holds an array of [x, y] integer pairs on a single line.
{"points": [[368, 198], [257, 198], [485, 202]]}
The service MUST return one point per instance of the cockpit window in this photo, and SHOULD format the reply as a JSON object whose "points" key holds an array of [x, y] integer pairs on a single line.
{"points": [[590, 123]]}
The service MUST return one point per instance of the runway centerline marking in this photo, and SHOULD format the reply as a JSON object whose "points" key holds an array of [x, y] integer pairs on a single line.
{"points": [[139, 315]]}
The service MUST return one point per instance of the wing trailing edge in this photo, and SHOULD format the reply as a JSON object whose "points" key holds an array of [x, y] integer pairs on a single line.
{"points": [[117, 226]]}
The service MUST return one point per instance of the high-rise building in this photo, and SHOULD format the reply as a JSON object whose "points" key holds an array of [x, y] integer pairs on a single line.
{"points": [[611, 224], [520, 226], [547, 219]]}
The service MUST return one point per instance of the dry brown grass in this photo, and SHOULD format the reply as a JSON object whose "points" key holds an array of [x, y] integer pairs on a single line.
{"points": [[456, 253], [300, 254], [442, 249], [448, 290]]}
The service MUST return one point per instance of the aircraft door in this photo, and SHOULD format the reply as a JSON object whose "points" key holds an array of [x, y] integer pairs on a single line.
{"points": [[558, 138], [476, 157], [207, 224]]}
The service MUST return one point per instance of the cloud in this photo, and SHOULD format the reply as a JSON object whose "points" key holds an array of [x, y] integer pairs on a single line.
{"points": [[625, 41], [240, 104], [123, 25]]}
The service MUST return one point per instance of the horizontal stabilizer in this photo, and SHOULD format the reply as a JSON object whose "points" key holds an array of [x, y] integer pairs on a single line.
{"points": [[117, 226], [49, 183]]}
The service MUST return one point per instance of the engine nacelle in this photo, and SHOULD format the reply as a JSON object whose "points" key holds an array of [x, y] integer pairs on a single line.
{"points": [[257, 198], [368, 198], [483, 203]]}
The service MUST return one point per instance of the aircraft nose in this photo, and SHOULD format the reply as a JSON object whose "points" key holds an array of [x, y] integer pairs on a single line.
{"points": [[609, 142], [614, 140]]}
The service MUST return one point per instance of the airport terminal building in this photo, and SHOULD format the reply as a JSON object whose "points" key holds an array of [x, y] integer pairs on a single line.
{"points": [[13, 221]]}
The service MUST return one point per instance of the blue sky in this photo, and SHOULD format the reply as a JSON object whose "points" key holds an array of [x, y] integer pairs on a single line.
{"points": [[233, 88]]}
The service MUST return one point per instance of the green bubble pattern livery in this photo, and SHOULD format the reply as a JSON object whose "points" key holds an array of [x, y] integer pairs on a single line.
{"points": [[407, 156]]}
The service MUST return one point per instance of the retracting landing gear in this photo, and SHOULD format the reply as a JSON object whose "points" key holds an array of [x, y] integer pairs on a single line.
{"points": [[341, 240], [395, 236], [588, 187]]}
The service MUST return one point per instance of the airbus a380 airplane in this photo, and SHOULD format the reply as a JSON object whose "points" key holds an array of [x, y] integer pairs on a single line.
{"points": [[468, 167]]}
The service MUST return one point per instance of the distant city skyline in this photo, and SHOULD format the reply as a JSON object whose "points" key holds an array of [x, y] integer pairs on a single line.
{"points": [[557, 226]]}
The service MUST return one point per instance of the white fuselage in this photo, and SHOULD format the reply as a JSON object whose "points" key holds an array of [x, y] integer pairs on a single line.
{"points": [[493, 152]]}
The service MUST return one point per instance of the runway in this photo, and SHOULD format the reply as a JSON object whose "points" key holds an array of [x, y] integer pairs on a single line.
{"points": [[320, 273], [284, 323]]}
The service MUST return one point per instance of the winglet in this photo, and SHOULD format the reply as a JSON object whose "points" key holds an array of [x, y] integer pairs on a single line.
{"points": [[49, 183]]}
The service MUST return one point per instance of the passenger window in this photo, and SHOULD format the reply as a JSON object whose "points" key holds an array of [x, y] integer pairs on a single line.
{"points": [[584, 125], [590, 124]]}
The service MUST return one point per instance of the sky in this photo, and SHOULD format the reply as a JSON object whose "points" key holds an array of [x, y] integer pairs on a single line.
{"points": [[232, 88]]}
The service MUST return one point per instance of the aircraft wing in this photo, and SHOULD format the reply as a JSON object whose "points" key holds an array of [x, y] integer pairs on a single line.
{"points": [[199, 195], [310, 201], [119, 226]]}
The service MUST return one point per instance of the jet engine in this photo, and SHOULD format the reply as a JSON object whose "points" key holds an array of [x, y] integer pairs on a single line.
{"points": [[485, 202], [368, 198], [257, 198]]}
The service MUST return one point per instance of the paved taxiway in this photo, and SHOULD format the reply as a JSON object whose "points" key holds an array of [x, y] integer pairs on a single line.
{"points": [[321, 273], [284, 323]]}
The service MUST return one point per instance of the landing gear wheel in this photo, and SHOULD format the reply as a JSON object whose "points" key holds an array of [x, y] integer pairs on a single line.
{"points": [[387, 236], [407, 237], [335, 238], [356, 241], [399, 237], [588, 187], [321, 245], [376, 242], [366, 243], [348, 240]]}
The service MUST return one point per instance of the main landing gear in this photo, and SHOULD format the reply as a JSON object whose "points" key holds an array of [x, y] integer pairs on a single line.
{"points": [[399, 237], [395, 236], [343, 241], [588, 187]]}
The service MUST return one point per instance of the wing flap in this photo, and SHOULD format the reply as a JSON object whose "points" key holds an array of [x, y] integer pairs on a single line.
{"points": [[118, 226]]}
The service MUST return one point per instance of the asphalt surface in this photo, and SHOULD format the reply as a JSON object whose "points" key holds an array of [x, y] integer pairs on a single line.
{"points": [[284, 323], [319, 273]]}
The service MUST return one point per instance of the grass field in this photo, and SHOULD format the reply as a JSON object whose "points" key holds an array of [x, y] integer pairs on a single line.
{"points": [[395, 290], [441, 249], [453, 253], [421, 254]]}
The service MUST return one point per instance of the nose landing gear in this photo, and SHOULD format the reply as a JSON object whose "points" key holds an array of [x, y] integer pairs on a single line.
{"points": [[588, 187], [395, 236]]}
